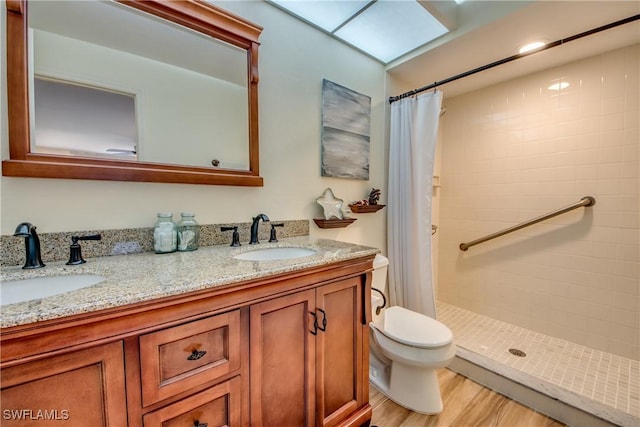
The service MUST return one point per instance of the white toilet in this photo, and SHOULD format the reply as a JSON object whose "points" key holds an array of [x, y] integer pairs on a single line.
{"points": [[407, 348]]}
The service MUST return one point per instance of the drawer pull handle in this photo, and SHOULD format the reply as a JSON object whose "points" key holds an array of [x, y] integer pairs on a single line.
{"points": [[195, 355], [197, 423]]}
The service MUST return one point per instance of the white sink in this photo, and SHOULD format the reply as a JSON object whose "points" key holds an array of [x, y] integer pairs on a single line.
{"points": [[40, 287], [274, 254]]}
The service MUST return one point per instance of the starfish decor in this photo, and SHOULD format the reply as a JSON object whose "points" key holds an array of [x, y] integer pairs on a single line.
{"points": [[332, 206]]}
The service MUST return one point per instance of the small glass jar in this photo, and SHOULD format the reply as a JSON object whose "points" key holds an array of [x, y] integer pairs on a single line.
{"points": [[188, 232], [165, 236]]}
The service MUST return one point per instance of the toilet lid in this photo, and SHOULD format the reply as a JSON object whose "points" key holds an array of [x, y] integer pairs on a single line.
{"points": [[415, 329]]}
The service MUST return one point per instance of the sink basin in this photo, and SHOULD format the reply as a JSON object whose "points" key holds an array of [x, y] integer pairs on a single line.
{"points": [[274, 254], [39, 287]]}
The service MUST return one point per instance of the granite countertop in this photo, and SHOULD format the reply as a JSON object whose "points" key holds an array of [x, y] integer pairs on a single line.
{"points": [[142, 277]]}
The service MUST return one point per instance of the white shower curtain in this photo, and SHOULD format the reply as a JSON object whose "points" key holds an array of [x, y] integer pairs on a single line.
{"points": [[414, 130]]}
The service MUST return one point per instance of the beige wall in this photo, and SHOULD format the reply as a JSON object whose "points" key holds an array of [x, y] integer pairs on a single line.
{"points": [[294, 59], [517, 150]]}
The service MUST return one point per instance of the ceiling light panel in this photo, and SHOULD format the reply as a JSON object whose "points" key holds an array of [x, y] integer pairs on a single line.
{"points": [[326, 14], [388, 29], [531, 47]]}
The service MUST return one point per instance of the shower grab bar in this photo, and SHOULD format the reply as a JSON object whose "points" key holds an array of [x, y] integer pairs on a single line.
{"points": [[585, 201]]}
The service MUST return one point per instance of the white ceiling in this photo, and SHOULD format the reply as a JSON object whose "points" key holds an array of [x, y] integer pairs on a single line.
{"points": [[549, 20]]}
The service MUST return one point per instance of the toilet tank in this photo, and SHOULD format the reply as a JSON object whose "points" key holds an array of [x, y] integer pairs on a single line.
{"points": [[379, 274]]}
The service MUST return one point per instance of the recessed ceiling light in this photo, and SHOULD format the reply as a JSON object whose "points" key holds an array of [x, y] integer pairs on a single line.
{"points": [[531, 46], [559, 86]]}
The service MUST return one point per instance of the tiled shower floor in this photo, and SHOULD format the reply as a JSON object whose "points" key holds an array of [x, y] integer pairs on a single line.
{"points": [[601, 383]]}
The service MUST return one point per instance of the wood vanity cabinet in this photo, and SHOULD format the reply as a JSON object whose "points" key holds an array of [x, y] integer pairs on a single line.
{"points": [[288, 350]]}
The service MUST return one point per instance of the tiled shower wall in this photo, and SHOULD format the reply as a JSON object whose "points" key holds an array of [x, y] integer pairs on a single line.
{"points": [[518, 150]]}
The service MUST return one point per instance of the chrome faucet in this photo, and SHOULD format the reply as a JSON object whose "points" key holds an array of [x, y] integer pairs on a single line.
{"points": [[254, 228], [31, 243]]}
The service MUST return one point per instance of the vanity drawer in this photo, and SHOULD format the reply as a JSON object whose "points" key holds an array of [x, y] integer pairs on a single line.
{"points": [[214, 407], [182, 357]]}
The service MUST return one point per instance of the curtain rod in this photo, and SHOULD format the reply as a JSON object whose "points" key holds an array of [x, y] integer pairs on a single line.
{"points": [[514, 57]]}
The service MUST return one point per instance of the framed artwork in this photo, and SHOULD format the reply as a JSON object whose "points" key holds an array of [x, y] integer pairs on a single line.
{"points": [[346, 131]]}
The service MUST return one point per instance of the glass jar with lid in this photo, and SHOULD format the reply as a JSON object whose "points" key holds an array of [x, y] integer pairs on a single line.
{"points": [[188, 232], [165, 236]]}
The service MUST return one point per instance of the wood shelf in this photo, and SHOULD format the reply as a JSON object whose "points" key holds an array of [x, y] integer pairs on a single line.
{"points": [[365, 208], [333, 223]]}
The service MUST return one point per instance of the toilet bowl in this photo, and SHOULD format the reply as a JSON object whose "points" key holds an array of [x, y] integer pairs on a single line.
{"points": [[406, 349]]}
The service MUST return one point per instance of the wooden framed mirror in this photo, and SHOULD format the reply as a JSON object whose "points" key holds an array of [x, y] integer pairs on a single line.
{"points": [[221, 154]]}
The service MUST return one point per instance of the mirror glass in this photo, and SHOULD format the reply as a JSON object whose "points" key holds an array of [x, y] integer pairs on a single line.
{"points": [[110, 81], [131, 90]]}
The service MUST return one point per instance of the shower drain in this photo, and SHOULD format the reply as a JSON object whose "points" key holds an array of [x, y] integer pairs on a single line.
{"points": [[517, 352]]}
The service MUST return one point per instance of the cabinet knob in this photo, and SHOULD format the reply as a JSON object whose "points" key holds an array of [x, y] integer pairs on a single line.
{"points": [[197, 423], [195, 355]]}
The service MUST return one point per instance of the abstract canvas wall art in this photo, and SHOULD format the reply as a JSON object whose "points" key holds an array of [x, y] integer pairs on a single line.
{"points": [[346, 131]]}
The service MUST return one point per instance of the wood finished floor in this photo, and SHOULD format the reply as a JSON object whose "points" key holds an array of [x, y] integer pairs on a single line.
{"points": [[466, 404]]}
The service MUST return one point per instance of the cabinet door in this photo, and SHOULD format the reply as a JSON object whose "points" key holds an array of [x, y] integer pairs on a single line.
{"points": [[340, 351], [282, 361], [82, 388]]}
